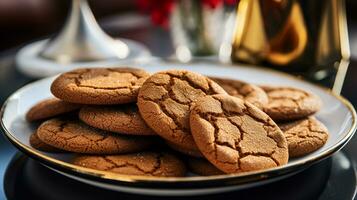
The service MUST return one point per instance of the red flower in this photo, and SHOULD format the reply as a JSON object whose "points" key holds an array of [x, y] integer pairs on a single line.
{"points": [[212, 3], [231, 2], [159, 10]]}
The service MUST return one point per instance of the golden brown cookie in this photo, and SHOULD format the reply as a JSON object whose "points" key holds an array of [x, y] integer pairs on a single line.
{"points": [[144, 163], [75, 136], [165, 99], [287, 103], [203, 167], [50, 108], [36, 143], [236, 136], [190, 152], [304, 136], [99, 85], [120, 119], [249, 92]]}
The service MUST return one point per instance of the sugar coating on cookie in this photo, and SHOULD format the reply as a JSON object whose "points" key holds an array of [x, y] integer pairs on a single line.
{"points": [[38, 144], [304, 136], [75, 136], [288, 103], [236, 136], [249, 92], [123, 119], [50, 108], [99, 85], [165, 100], [202, 167], [143, 163]]}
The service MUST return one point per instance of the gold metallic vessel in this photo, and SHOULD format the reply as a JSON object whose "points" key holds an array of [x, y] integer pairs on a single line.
{"points": [[305, 37]]}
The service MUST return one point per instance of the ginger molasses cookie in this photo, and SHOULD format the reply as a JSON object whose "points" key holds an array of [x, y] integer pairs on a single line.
{"points": [[287, 103], [143, 163], [236, 136], [75, 136], [304, 136], [202, 167], [120, 119], [249, 92], [36, 143], [190, 152], [165, 100], [99, 85], [50, 108]]}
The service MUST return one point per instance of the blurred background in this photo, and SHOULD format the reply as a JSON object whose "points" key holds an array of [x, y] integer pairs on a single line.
{"points": [[146, 21], [23, 21]]}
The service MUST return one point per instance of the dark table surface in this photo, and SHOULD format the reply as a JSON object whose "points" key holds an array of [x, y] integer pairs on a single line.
{"points": [[158, 42]]}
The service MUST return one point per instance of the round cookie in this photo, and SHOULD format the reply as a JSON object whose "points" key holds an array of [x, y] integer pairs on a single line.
{"points": [[249, 92], [165, 100], [287, 103], [236, 136], [36, 143], [50, 108], [304, 136], [203, 167], [120, 119], [99, 85], [144, 163], [75, 136], [190, 152]]}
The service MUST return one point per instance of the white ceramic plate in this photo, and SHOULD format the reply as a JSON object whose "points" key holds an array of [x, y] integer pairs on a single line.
{"points": [[337, 114]]}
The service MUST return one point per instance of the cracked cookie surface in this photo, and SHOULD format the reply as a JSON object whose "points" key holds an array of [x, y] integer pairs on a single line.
{"points": [[165, 100], [75, 136], [287, 103], [143, 163], [304, 136], [249, 92], [36, 143], [236, 136], [120, 119], [50, 108], [99, 85], [203, 167]]}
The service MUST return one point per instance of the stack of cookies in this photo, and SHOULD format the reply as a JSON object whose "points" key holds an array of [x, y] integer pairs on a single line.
{"points": [[126, 121]]}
